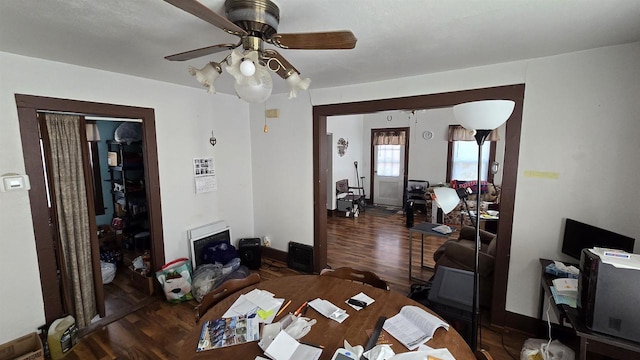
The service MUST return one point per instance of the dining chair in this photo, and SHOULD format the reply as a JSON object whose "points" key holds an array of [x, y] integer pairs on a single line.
{"points": [[362, 276], [225, 289], [483, 354]]}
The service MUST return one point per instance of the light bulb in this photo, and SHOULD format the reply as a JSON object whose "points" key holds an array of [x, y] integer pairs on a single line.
{"points": [[247, 67]]}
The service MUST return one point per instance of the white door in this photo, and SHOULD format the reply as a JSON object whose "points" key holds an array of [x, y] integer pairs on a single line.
{"points": [[388, 174]]}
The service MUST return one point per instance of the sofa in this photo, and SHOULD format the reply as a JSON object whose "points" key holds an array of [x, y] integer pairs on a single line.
{"points": [[459, 254]]}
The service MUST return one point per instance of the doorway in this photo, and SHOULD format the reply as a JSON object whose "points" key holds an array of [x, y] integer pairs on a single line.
{"points": [[28, 109], [432, 101], [390, 165]]}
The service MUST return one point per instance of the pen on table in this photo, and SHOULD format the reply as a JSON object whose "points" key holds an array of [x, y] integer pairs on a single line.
{"points": [[297, 312], [314, 345], [284, 307]]}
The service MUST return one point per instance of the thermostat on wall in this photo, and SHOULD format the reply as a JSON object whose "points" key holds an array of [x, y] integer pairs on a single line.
{"points": [[12, 182]]}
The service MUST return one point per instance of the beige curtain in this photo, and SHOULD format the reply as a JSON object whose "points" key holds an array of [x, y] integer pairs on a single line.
{"points": [[71, 205], [458, 133], [391, 137]]}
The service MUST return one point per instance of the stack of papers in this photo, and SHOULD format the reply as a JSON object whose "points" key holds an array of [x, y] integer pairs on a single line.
{"points": [[566, 286], [443, 229], [565, 291], [259, 302]]}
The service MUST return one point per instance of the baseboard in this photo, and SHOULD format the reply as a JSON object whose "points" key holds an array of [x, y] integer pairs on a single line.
{"points": [[522, 323], [274, 254]]}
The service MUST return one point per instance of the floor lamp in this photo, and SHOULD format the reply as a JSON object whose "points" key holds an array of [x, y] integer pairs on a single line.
{"points": [[482, 117]]}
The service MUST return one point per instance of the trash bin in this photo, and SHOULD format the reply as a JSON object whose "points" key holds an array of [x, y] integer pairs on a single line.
{"points": [[409, 212]]}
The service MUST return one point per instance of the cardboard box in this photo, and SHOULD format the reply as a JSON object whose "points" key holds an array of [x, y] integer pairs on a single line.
{"points": [[141, 282], [28, 347]]}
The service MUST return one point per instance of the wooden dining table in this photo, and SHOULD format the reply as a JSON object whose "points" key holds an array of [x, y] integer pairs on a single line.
{"points": [[326, 332]]}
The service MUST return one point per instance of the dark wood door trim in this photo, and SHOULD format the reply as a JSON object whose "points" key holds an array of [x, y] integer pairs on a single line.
{"points": [[431, 101], [28, 106]]}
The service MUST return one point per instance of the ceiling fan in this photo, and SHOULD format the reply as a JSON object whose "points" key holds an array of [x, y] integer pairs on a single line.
{"points": [[255, 22]]}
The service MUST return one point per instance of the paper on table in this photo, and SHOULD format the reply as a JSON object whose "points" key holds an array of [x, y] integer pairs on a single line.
{"points": [[618, 258], [564, 299], [328, 309], [252, 302], [284, 347], [362, 297]]}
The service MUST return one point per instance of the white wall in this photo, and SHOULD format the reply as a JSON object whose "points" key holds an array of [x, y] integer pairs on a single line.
{"points": [[185, 118], [348, 127], [580, 120], [282, 171]]}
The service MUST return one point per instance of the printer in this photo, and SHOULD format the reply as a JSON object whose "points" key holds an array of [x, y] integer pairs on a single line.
{"points": [[609, 292]]}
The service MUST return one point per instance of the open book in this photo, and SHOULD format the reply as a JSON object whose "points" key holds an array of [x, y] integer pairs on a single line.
{"points": [[413, 326]]}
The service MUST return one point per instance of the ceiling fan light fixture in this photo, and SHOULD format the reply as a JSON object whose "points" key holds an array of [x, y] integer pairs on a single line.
{"points": [[297, 83], [207, 75], [256, 88]]}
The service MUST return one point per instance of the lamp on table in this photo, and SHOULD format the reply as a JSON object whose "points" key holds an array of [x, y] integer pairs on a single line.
{"points": [[482, 117]]}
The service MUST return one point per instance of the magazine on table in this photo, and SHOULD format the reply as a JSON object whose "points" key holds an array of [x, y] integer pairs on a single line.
{"points": [[235, 330], [413, 326]]}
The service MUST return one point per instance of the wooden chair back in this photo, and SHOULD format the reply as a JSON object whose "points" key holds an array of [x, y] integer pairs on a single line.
{"points": [[225, 289], [362, 276], [483, 354]]}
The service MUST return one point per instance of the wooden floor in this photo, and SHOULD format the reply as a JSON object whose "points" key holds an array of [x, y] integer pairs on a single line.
{"points": [[377, 240]]}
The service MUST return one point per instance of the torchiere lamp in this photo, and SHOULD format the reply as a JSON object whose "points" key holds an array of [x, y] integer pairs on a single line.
{"points": [[482, 117]]}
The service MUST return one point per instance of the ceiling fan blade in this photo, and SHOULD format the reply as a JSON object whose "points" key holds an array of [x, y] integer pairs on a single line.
{"points": [[195, 8], [192, 54], [315, 41]]}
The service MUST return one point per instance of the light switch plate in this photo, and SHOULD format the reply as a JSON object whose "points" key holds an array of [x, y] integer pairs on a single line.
{"points": [[15, 182]]}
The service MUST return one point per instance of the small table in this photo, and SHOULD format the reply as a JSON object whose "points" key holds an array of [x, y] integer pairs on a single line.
{"points": [[325, 332], [600, 343], [423, 228]]}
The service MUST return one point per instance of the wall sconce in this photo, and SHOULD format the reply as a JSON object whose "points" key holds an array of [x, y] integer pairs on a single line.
{"points": [[212, 140], [342, 146]]}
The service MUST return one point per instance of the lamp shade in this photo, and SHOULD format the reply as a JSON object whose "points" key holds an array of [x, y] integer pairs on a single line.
{"points": [[446, 198], [256, 88], [483, 115]]}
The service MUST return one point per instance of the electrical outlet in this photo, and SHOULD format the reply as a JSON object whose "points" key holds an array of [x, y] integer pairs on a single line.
{"points": [[267, 241]]}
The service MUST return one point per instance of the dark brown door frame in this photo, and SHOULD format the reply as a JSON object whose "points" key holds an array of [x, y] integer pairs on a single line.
{"points": [[405, 175], [432, 101], [28, 106]]}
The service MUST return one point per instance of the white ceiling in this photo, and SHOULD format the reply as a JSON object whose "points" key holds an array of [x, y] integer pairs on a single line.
{"points": [[396, 38]]}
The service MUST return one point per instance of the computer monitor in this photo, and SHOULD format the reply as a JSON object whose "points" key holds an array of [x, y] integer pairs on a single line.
{"points": [[578, 235]]}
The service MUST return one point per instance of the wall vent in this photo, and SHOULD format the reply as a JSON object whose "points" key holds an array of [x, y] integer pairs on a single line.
{"points": [[300, 257]]}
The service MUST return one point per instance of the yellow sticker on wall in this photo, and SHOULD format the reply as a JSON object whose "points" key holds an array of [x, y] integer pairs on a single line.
{"points": [[542, 174]]}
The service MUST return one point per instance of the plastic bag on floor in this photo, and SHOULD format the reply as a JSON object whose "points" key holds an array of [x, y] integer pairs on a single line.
{"points": [[541, 349], [108, 272]]}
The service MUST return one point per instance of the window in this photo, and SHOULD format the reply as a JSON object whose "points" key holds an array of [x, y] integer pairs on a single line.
{"points": [[388, 160], [464, 160]]}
